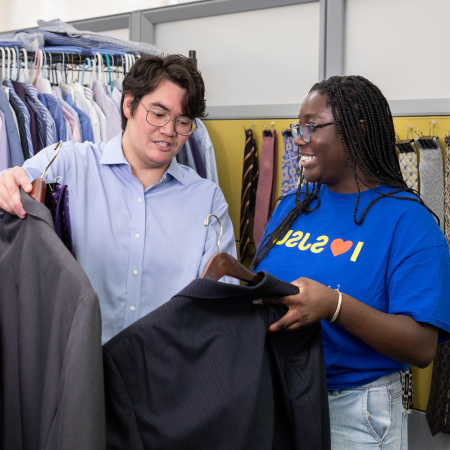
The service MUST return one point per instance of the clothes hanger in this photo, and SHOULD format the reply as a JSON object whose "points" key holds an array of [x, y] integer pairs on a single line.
{"points": [[13, 65], [109, 69], [222, 264], [88, 61], [25, 70], [3, 62], [39, 185], [18, 65]]}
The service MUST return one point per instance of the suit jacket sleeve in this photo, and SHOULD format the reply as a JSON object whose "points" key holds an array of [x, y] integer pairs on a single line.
{"points": [[80, 418], [122, 432]]}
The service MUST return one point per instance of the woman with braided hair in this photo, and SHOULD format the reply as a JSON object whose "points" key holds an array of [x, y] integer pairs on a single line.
{"points": [[368, 257]]}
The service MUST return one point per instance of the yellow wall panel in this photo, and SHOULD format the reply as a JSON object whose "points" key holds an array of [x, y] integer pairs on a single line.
{"points": [[228, 138]]}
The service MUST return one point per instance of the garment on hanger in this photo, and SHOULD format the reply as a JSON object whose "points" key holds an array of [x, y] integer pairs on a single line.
{"points": [[23, 119], [56, 112], [409, 168], [15, 148], [41, 127], [49, 123], [197, 157], [20, 91], [50, 353], [87, 108], [431, 174], [238, 387], [57, 92], [86, 127], [190, 157], [101, 117], [289, 177], [5, 159], [6, 90], [113, 119], [117, 97], [207, 151], [265, 194], [57, 201], [248, 193]]}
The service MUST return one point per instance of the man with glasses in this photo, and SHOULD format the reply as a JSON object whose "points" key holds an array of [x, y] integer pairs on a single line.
{"points": [[137, 216]]}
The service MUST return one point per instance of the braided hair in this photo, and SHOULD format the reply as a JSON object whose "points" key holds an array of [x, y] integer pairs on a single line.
{"points": [[352, 99]]}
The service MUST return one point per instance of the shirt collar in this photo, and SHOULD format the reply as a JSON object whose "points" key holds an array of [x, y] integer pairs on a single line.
{"points": [[113, 154]]}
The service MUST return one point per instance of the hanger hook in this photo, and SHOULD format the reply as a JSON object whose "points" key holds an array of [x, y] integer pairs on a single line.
{"points": [[408, 132], [417, 132], [221, 228], [432, 123], [57, 148]]}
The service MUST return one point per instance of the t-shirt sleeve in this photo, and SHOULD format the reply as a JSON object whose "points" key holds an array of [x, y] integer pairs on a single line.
{"points": [[419, 287]]}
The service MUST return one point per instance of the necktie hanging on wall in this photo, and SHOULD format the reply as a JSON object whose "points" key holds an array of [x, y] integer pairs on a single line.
{"points": [[447, 189], [407, 158], [266, 183], [431, 174], [438, 403], [289, 177], [248, 193]]}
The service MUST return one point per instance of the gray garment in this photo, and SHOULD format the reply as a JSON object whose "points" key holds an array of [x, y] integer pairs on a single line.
{"points": [[182, 156], [51, 381], [15, 147], [190, 157]]}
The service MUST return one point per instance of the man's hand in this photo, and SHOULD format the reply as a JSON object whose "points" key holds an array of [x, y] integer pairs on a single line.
{"points": [[10, 183]]}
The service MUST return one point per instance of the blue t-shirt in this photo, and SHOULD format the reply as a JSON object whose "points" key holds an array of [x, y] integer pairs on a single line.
{"points": [[397, 262]]}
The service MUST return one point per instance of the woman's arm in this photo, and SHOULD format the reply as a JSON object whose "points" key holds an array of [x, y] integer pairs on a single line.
{"points": [[396, 336]]}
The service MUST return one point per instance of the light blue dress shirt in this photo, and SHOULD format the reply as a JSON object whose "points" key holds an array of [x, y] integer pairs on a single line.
{"points": [[139, 247]]}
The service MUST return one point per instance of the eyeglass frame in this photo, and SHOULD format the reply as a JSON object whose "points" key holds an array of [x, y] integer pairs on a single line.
{"points": [[311, 126], [168, 120]]}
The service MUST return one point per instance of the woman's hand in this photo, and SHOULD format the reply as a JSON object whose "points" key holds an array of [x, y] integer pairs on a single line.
{"points": [[313, 303]]}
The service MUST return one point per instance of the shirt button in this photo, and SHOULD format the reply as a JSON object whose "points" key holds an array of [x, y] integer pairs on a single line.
{"points": [[139, 200], [135, 272], [136, 236], [131, 308]]}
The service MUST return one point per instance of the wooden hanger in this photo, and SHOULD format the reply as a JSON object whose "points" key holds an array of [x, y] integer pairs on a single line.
{"points": [[39, 185], [222, 264]]}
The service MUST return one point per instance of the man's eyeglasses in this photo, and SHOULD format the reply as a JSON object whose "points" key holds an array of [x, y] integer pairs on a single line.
{"points": [[158, 118], [305, 129]]}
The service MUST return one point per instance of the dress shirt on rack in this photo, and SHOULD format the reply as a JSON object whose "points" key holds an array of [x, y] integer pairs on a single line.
{"points": [[86, 127], [101, 117], [56, 112], [124, 280], [197, 157], [207, 151], [15, 148], [113, 119], [117, 97], [23, 119], [6, 90], [87, 108], [5, 161], [190, 157], [49, 123], [20, 91], [41, 126]]}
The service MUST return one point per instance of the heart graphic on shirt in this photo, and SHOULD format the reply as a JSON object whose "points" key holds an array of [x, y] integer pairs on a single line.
{"points": [[338, 246]]}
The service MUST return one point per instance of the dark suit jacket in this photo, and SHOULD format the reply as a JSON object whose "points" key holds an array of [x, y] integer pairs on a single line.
{"points": [[50, 341], [201, 373]]}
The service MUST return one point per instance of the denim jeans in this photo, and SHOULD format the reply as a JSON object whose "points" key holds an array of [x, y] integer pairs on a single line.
{"points": [[369, 416]]}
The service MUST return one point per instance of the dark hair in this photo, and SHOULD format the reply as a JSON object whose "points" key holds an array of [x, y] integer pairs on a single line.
{"points": [[147, 73], [351, 99]]}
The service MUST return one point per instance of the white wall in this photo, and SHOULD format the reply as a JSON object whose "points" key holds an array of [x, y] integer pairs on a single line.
{"points": [[260, 57], [400, 45]]}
